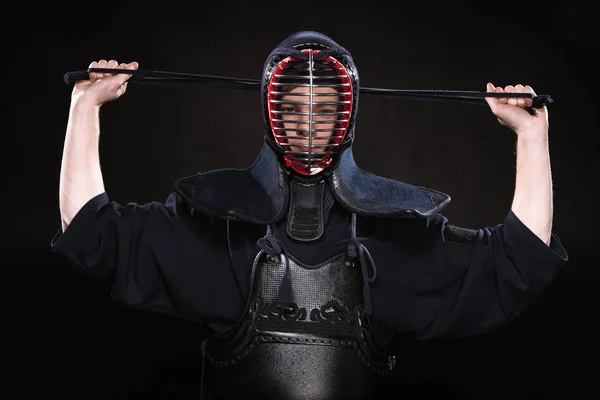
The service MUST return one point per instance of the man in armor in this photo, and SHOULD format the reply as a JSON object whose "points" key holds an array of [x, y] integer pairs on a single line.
{"points": [[303, 265]]}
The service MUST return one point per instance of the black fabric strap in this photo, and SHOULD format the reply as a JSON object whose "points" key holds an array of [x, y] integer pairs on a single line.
{"points": [[221, 82]]}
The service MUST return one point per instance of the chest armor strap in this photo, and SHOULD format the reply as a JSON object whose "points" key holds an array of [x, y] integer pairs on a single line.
{"points": [[319, 346]]}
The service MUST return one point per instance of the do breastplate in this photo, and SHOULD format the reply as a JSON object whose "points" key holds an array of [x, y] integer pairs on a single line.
{"points": [[319, 346]]}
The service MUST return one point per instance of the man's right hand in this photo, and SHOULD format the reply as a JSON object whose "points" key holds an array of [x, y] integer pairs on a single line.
{"points": [[103, 87]]}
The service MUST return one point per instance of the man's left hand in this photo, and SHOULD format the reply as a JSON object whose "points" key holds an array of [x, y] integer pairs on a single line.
{"points": [[512, 114]]}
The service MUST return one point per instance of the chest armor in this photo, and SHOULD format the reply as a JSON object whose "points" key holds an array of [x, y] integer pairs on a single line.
{"points": [[319, 345]]}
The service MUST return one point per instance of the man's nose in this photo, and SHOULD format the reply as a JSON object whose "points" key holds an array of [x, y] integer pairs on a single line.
{"points": [[302, 124]]}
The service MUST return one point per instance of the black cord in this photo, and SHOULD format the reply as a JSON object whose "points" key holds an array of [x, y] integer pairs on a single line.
{"points": [[163, 78]]}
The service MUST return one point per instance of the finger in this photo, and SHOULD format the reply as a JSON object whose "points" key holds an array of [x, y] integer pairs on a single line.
{"points": [[501, 100], [93, 75], [122, 78], [520, 100], [511, 100], [133, 65], [110, 64], [102, 64], [492, 101], [529, 89]]}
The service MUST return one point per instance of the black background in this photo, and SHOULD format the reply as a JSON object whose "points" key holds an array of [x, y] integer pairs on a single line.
{"points": [[64, 335]]}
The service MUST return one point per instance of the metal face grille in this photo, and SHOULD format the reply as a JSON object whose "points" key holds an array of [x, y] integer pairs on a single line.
{"points": [[310, 105]]}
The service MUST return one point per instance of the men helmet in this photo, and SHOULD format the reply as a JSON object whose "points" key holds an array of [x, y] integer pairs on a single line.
{"points": [[310, 98]]}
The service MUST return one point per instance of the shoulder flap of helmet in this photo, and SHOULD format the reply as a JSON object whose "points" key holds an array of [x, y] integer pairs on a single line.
{"points": [[257, 194], [368, 194]]}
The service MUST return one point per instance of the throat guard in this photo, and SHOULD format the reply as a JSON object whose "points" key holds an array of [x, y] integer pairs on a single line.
{"points": [[309, 206], [260, 194]]}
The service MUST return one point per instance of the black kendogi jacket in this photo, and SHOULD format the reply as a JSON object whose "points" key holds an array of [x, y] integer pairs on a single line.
{"points": [[191, 256]]}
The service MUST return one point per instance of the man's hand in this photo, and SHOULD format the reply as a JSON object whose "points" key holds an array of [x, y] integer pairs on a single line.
{"points": [[512, 114], [103, 87]]}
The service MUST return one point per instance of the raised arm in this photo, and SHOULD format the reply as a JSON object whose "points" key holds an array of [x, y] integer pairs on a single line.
{"points": [[532, 201], [157, 256], [80, 174], [471, 281]]}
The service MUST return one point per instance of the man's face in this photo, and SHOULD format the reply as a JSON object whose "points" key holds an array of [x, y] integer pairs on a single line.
{"points": [[323, 121]]}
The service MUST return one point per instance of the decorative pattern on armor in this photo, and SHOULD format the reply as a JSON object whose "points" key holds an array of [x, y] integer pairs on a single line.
{"points": [[323, 332]]}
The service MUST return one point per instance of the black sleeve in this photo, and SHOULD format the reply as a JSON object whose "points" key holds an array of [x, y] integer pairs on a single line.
{"points": [[157, 256], [450, 282]]}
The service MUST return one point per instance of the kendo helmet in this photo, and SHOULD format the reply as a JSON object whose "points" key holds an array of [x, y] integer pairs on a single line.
{"points": [[309, 93]]}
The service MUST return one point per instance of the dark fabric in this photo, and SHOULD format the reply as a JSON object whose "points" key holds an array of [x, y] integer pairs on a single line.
{"points": [[168, 258], [368, 194], [159, 256], [256, 194], [259, 194]]}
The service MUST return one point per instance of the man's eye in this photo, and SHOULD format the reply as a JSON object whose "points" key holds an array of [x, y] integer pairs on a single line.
{"points": [[288, 109]]}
